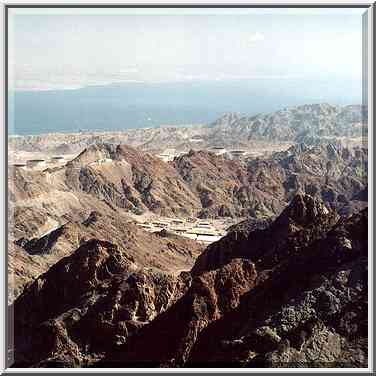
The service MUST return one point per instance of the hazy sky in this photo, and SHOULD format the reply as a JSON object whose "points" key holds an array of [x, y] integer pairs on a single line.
{"points": [[65, 48]]}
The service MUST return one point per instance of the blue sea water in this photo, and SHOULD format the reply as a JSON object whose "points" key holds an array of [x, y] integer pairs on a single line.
{"points": [[137, 105]]}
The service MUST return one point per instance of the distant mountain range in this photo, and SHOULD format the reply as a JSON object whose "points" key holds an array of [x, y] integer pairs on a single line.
{"points": [[307, 123], [295, 124]]}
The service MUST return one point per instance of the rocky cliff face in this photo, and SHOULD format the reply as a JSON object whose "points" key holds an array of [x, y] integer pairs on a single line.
{"points": [[288, 292], [262, 187], [311, 311], [209, 297], [302, 222]]}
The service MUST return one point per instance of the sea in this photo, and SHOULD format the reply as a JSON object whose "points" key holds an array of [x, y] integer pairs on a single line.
{"points": [[121, 106]]}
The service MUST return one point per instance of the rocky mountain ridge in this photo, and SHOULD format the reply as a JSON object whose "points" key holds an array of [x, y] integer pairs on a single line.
{"points": [[295, 123]]}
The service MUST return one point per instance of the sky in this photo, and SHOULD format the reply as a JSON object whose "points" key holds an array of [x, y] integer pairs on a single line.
{"points": [[64, 48]]}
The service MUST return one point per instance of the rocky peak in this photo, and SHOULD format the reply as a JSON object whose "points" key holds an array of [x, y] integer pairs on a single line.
{"points": [[304, 210], [301, 223], [190, 154], [95, 152], [92, 218], [102, 151], [227, 119]]}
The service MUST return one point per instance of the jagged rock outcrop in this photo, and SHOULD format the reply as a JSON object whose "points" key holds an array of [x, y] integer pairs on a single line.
{"points": [[209, 297], [331, 172], [262, 187]]}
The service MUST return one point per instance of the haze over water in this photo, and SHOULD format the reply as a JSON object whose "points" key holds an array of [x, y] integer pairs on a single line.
{"points": [[130, 68], [139, 105]]}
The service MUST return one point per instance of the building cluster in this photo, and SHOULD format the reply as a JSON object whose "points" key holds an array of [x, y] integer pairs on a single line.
{"points": [[231, 154], [101, 161], [196, 229], [168, 155], [37, 164]]}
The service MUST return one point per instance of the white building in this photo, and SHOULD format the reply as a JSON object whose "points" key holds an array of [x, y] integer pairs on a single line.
{"points": [[104, 160], [21, 166], [207, 238], [196, 140], [218, 150], [36, 163], [238, 154], [166, 157]]}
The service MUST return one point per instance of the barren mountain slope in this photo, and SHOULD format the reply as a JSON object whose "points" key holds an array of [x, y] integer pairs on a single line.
{"points": [[330, 171], [216, 180], [115, 180], [131, 179]]}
